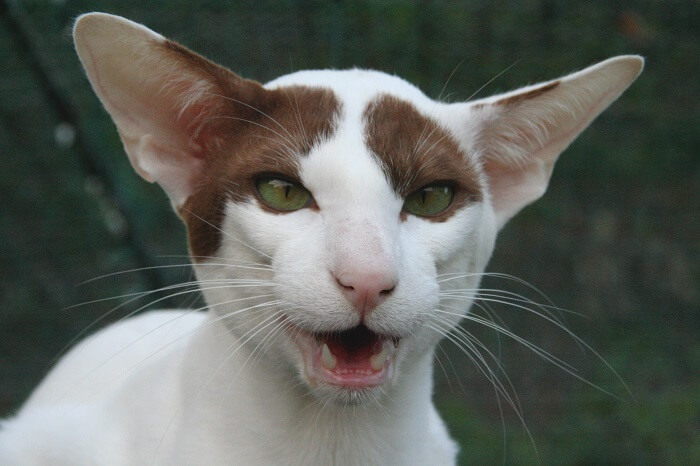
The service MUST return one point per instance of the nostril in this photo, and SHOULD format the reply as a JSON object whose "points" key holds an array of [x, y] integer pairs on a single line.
{"points": [[387, 292], [343, 285]]}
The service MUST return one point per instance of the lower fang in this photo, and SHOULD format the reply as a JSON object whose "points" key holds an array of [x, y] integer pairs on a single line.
{"points": [[377, 361], [329, 361]]}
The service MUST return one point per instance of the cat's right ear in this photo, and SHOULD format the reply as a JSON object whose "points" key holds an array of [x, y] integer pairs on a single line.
{"points": [[165, 100], [518, 135]]}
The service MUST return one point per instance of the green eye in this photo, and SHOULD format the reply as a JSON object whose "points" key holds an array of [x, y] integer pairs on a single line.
{"points": [[282, 195], [429, 200]]}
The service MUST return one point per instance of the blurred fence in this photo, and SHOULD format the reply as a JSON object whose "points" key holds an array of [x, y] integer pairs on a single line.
{"points": [[615, 238]]}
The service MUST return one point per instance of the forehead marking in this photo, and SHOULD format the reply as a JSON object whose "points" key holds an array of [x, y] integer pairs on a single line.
{"points": [[415, 151]]}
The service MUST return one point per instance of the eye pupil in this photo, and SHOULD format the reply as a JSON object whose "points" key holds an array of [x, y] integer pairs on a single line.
{"points": [[286, 190]]}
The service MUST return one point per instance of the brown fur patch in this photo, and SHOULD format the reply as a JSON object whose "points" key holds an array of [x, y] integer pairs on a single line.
{"points": [[246, 131], [415, 151], [518, 98]]}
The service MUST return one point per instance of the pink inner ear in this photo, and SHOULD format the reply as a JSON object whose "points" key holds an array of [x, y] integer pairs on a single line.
{"points": [[194, 113], [166, 131], [175, 170], [512, 185], [163, 99]]}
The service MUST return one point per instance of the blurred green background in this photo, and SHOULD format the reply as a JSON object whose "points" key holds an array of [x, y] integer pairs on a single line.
{"points": [[616, 237]]}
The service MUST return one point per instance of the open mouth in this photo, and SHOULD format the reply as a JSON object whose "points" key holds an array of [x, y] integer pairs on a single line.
{"points": [[355, 358]]}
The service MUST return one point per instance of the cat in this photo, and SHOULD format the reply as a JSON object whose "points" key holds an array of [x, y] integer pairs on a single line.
{"points": [[339, 223]]}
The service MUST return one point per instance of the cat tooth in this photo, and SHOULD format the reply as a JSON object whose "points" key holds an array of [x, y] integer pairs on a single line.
{"points": [[395, 341], [377, 361], [329, 361]]}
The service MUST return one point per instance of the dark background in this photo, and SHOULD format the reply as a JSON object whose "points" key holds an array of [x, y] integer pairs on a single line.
{"points": [[616, 237]]}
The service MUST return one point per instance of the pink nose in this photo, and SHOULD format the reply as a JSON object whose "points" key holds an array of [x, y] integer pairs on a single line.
{"points": [[366, 290]]}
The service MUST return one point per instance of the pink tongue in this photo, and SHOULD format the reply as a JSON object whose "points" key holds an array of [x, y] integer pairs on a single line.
{"points": [[352, 349]]}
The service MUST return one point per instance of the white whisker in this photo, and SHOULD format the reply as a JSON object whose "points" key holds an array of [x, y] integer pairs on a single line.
{"points": [[466, 345], [493, 79], [252, 108], [228, 235]]}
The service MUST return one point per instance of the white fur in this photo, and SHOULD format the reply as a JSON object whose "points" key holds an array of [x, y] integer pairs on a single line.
{"points": [[183, 388]]}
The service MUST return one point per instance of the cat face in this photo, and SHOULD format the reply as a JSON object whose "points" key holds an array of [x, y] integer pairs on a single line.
{"points": [[330, 213], [355, 273]]}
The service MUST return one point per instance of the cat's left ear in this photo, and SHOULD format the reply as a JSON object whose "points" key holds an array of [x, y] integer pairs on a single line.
{"points": [[519, 135], [166, 101]]}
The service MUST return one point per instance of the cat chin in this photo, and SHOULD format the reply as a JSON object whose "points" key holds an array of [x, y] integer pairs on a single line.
{"points": [[349, 397]]}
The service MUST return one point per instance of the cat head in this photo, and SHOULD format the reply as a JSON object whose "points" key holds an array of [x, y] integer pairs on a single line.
{"points": [[330, 214]]}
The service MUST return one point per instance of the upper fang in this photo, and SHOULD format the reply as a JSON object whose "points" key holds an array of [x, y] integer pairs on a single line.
{"points": [[329, 361]]}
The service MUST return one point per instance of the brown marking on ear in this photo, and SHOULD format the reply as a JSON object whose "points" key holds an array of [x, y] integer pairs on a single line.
{"points": [[414, 151], [257, 132], [518, 98]]}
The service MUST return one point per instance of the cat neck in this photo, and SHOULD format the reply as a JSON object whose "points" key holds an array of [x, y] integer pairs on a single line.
{"points": [[239, 398]]}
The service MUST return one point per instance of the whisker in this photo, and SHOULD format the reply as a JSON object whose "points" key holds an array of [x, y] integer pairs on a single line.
{"points": [[478, 294], [297, 113], [169, 266], [454, 371], [449, 78], [462, 334], [252, 108], [477, 359], [553, 359], [228, 234], [493, 79], [492, 377], [219, 258], [505, 276], [536, 349], [255, 123], [279, 332], [272, 320], [546, 316], [426, 152], [194, 288], [133, 342], [490, 315]]}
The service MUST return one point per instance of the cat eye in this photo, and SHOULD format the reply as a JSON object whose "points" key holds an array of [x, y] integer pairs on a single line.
{"points": [[429, 200], [283, 195]]}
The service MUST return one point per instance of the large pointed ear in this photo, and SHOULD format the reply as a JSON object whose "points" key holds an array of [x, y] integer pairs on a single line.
{"points": [[519, 135], [164, 99]]}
